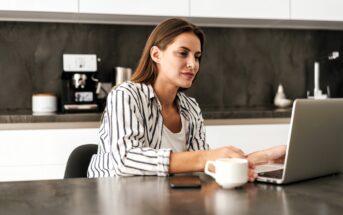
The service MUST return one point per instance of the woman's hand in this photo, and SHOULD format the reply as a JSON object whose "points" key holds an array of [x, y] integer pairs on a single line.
{"points": [[224, 152], [271, 155], [194, 161]]}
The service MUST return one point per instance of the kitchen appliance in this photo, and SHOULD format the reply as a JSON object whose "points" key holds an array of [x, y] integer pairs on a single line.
{"points": [[122, 74], [317, 93], [79, 83]]}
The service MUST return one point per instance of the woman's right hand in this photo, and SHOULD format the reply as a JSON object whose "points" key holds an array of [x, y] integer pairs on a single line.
{"points": [[224, 152]]}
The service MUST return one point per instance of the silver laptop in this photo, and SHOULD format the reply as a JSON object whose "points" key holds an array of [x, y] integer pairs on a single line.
{"points": [[315, 142]]}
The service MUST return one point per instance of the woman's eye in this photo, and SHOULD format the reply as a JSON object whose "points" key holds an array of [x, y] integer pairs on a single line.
{"points": [[183, 54]]}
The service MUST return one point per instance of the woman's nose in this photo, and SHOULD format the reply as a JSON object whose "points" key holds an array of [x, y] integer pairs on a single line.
{"points": [[191, 62]]}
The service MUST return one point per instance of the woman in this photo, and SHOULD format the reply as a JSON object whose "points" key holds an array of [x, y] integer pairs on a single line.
{"points": [[149, 126]]}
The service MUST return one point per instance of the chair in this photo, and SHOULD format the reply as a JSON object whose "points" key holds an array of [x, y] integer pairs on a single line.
{"points": [[79, 160]]}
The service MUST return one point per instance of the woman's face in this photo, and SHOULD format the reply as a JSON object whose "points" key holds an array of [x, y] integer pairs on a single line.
{"points": [[178, 64]]}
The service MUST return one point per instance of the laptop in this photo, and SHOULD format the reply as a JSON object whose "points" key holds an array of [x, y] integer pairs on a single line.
{"points": [[315, 142]]}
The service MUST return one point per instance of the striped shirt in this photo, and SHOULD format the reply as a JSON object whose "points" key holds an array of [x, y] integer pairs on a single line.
{"points": [[131, 133]]}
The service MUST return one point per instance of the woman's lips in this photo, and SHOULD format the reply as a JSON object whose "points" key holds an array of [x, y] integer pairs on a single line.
{"points": [[188, 75]]}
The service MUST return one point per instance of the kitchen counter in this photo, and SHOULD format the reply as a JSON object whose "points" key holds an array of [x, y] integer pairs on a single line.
{"points": [[25, 120], [23, 117], [208, 114], [246, 113]]}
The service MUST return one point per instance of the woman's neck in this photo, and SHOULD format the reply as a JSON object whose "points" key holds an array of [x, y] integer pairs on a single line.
{"points": [[166, 94]]}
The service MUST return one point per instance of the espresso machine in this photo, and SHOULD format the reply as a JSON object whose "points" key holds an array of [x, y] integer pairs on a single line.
{"points": [[79, 83]]}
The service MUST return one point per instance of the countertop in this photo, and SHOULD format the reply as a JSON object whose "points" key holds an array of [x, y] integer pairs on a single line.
{"points": [[152, 195], [10, 117], [246, 113], [208, 114]]}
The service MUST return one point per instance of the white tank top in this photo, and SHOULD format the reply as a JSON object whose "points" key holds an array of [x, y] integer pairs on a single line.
{"points": [[175, 141]]}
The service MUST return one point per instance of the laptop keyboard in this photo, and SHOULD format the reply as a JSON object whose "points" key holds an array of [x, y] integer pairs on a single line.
{"points": [[272, 174], [268, 167]]}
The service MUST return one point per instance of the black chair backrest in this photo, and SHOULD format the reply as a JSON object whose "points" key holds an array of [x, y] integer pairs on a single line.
{"points": [[79, 160]]}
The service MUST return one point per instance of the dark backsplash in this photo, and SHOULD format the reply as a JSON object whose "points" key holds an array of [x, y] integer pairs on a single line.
{"points": [[241, 67]]}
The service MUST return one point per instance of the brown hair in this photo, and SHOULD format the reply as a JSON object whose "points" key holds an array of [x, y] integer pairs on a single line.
{"points": [[163, 35]]}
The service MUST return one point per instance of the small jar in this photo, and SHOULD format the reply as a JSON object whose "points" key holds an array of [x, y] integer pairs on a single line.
{"points": [[44, 104]]}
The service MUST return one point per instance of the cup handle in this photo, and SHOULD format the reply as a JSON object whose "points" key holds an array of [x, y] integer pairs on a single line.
{"points": [[207, 171]]}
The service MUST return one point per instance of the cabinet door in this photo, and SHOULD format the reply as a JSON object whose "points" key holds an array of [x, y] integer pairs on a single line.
{"points": [[40, 5], [39, 154], [250, 9], [136, 7], [326, 10]]}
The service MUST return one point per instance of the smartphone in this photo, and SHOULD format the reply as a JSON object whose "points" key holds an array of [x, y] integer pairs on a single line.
{"points": [[190, 181]]}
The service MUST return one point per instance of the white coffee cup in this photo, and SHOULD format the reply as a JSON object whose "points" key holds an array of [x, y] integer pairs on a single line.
{"points": [[229, 172]]}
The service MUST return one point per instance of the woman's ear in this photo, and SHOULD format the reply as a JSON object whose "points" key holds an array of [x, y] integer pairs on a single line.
{"points": [[155, 54]]}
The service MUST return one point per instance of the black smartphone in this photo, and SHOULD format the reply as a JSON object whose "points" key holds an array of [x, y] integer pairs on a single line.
{"points": [[190, 181]]}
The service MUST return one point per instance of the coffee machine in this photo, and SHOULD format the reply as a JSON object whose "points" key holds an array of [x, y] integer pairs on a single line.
{"points": [[79, 83]]}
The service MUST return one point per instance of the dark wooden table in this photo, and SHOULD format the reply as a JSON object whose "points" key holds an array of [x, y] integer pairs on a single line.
{"points": [[152, 195]]}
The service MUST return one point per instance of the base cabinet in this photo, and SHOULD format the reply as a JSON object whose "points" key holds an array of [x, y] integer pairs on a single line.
{"points": [[249, 138], [39, 154]]}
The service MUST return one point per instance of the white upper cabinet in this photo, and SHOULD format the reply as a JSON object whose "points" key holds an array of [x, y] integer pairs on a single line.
{"points": [[69, 6], [316, 14], [249, 9], [325, 10], [136, 7]]}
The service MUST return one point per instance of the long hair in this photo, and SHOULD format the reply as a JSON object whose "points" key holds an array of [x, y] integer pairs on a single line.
{"points": [[163, 35]]}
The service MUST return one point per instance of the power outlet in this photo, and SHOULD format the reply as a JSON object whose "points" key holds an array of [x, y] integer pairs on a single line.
{"points": [[79, 63]]}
